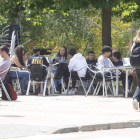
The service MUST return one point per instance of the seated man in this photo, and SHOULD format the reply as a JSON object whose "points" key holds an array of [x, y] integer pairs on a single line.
{"points": [[40, 60], [76, 63], [6, 62], [91, 59], [103, 60], [117, 62]]}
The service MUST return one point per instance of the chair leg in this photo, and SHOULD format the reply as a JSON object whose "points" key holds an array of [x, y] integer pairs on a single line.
{"points": [[7, 95], [113, 87], [33, 86], [69, 83], [29, 83], [90, 85], [83, 85], [100, 84], [96, 88], [44, 90]]}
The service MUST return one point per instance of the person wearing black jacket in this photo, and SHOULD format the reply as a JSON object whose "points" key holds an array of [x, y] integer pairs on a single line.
{"points": [[36, 54], [91, 59], [136, 96]]}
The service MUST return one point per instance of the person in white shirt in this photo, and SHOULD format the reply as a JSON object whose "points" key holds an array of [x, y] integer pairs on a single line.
{"points": [[103, 60], [6, 62], [77, 65]]}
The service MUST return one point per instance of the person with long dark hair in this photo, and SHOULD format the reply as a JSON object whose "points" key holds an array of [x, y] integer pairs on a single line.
{"points": [[59, 57], [18, 61]]}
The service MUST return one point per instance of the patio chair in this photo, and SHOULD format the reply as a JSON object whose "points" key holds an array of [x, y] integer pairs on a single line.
{"points": [[36, 76], [86, 79], [60, 69], [3, 82], [100, 78], [16, 80]]}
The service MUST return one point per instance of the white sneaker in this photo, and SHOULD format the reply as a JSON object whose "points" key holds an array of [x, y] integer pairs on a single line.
{"points": [[18, 92], [65, 92], [70, 92], [135, 104], [74, 91]]}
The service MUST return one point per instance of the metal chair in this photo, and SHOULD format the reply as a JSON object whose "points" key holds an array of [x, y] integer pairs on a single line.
{"points": [[16, 80], [100, 78], [58, 74], [87, 78], [3, 82], [36, 76]]}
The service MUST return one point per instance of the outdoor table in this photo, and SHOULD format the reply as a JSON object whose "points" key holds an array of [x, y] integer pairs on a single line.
{"points": [[127, 68]]}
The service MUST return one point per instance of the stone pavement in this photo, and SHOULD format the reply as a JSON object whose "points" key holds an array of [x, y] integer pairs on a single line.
{"points": [[37, 115]]}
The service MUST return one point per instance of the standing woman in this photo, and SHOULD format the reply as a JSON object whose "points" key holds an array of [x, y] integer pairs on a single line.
{"points": [[18, 61], [136, 96]]}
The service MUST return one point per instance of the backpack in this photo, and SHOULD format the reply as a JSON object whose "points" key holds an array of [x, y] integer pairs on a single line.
{"points": [[135, 56], [11, 92], [9, 87]]}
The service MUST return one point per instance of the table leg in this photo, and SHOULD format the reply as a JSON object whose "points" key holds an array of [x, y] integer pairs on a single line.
{"points": [[117, 81], [126, 84]]}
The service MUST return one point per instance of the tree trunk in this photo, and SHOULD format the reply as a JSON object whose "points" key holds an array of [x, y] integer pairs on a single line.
{"points": [[17, 19], [106, 27]]}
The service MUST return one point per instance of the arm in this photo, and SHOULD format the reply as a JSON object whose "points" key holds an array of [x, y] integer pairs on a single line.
{"points": [[15, 60], [100, 64], [45, 62], [71, 65]]}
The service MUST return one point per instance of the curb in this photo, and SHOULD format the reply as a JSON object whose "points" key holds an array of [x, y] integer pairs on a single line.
{"points": [[95, 127]]}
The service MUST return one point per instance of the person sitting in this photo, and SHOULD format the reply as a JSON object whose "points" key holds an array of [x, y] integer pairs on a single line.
{"points": [[116, 56], [36, 55], [61, 56], [77, 65], [18, 61], [103, 60], [91, 59], [6, 62]]}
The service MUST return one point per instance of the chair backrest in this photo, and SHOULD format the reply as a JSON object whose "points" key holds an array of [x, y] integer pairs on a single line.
{"points": [[93, 70], [62, 69], [36, 72]]}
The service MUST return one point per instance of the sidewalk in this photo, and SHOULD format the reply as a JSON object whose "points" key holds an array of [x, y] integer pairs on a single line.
{"points": [[37, 115]]}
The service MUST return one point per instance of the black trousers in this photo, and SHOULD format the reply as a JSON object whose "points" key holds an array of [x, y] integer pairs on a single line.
{"points": [[137, 91]]}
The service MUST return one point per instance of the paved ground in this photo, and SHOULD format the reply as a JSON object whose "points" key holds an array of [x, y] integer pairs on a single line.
{"points": [[37, 115], [115, 134]]}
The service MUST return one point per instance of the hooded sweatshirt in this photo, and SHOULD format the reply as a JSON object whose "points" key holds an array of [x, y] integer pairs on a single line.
{"points": [[77, 62]]}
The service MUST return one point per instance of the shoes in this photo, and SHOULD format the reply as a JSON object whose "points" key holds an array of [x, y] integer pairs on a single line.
{"points": [[135, 104], [37, 91], [19, 92], [72, 92], [64, 93]]}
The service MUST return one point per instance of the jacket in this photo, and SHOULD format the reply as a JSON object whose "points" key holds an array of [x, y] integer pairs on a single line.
{"points": [[77, 62]]}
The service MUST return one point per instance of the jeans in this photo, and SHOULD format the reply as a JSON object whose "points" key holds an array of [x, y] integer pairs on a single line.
{"points": [[23, 75], [137, 91]]}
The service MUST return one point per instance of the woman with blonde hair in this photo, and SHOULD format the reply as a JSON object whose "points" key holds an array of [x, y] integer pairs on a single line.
{"points": [[136, 96]]}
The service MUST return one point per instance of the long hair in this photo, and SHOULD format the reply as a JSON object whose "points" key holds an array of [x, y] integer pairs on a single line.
{"points": [[136, 39], [19, 52], [65, 54]]}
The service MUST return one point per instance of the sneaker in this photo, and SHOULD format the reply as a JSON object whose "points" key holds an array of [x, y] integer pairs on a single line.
{"points": [[64, 93], [74, 91], [135, 104], [18, 92], [70, 92]]}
